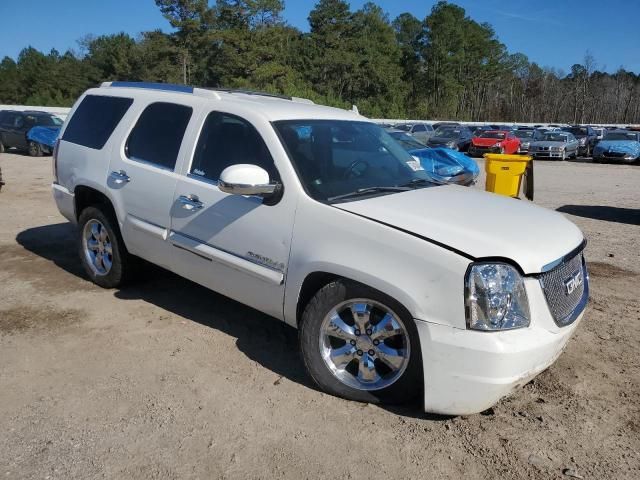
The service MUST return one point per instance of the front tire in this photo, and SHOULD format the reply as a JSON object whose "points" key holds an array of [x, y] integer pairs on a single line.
{"points": [[34, 149], [359, 344], [104, 257]]}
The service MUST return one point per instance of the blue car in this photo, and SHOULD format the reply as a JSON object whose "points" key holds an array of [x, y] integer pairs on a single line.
{"points": [[444, 165], [618, 146], [42, 140]]}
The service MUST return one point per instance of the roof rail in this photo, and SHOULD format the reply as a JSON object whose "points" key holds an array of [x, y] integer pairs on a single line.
{"points": [[171, 87]]}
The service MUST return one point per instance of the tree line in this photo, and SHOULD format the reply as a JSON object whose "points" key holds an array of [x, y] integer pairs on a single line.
{"points": [[445, 66]]}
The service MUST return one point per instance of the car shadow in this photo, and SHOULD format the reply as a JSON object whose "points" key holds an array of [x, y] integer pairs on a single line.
{"points": [[262, 338], [630, 216]]}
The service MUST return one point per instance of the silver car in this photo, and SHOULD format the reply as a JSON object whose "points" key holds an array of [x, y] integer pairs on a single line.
{"points": [[420, 131], [555, 145]]}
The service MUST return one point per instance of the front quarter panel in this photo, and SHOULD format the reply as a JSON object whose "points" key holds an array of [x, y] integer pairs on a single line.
{"points": [[427, 279]]}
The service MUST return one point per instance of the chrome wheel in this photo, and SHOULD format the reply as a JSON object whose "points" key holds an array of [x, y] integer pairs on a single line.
{"points": [[364, 344], [97, 248]]}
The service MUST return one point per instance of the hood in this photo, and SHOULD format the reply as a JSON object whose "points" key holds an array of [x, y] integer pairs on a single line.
{"points": [[476, 223], [486, 142], [624, 146], [548, 143]]}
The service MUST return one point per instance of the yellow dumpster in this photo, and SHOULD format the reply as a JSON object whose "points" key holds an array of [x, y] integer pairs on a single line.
{"points": [[504, 173]]}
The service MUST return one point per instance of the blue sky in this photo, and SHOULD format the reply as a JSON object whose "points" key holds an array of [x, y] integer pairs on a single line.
{"points": [[554, 33]]}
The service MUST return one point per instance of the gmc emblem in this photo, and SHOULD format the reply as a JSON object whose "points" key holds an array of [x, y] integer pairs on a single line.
{"points": [[573, 282]]}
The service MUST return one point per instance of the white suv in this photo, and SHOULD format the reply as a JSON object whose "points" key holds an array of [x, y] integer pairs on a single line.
{"points": [[316, 216]]}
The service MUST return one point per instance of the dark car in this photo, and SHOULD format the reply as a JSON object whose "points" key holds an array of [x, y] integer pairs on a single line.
{"points": [[456, 137], [587, 137], [14, 126], [527, 136]]}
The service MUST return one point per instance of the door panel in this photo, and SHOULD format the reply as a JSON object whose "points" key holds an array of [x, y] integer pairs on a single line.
{"points": [[236, 245], [233, 244], [142, 180]]}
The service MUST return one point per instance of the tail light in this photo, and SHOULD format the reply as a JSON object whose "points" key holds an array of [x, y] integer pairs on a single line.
{"points": [[55, 160]]}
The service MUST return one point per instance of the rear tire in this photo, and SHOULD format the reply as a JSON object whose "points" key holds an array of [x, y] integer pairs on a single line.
{"points": [[360, 344], [34, 149], [102, 251]]}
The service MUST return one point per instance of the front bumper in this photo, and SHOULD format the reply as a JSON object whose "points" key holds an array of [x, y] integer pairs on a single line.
{"points": [[625, 158], [546, 154], [467, 371]]}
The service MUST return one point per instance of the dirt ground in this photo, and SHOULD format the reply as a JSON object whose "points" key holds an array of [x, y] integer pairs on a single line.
{"points": [[165, 379]]}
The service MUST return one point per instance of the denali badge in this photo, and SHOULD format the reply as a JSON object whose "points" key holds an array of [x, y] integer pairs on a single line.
{"points": [[266, 261], [573, 282]]}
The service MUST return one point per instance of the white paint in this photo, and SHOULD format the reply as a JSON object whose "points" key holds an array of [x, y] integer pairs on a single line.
{"points": [[414, 246]]}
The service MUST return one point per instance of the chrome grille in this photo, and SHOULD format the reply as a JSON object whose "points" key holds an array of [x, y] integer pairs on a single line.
{"points": [[566, 296]]}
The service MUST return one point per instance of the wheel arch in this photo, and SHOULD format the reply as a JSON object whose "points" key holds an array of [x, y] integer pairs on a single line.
{"points": [[85, 196], [317, 279]]}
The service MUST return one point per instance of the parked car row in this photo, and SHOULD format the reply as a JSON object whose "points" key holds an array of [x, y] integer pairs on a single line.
{"points": [[541, 141]]}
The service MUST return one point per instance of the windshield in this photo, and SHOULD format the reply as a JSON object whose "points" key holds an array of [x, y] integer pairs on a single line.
{"points": [[407, 141], [621, 136], [498, 135], [555, 137], [46, 121], [404, 127], [338, 157], [447, 132], [524, 133], [577, 131]]}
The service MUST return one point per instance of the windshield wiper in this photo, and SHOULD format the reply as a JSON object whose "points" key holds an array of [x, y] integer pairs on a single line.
{"points": [[422, 181], [365, 191]]}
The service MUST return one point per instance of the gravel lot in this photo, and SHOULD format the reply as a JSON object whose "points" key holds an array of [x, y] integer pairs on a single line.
{"points": [[165, 379]]}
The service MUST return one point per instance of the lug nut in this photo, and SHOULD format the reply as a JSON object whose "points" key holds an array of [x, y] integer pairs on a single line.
{"points": [[376, 342], [353, 342], [372, 353], [360, 352], [357, 332], [369, 332]]}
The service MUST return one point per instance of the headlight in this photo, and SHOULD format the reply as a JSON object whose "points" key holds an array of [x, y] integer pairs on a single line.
{"points": [[495, 297], [525, 145], [497, 145], [451, 144], [583, 140], [557, 149]]}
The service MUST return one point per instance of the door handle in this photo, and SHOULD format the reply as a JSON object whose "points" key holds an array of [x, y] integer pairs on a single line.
{"points": [[120, 177], [190, 202]]}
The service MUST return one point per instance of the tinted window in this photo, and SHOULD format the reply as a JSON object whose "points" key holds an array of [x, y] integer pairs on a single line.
{"points": [[95, 119], [8, 119], [157, 136], [419, 128], [228, 140]]}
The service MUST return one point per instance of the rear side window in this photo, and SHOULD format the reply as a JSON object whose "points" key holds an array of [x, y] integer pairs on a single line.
{"points": [[95, 119], [157, 136]]}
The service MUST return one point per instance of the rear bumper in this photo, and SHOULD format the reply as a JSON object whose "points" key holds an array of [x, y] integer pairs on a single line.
{"points": [[65, 200]]}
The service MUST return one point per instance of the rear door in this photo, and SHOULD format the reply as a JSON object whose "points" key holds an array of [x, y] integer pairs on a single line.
{"points": [[236, 245], [142, 178]]}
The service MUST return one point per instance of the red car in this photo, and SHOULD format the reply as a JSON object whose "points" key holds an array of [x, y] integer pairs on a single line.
{"points": [[494, 141]]}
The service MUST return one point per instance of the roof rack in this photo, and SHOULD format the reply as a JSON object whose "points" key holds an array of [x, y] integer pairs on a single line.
{"points": [[172, 87]]}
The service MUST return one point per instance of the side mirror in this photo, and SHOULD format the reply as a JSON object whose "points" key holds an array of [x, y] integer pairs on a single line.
{"points": [[243, 179]]}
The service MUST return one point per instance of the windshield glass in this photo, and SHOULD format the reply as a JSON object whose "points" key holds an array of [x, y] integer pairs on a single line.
{"points": [[499, 135], [577, 131], [404, 127], [555, 137], [407, 141], [337, 157], [524, 133], [46, 121], [621, 136], [447, 132]]}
